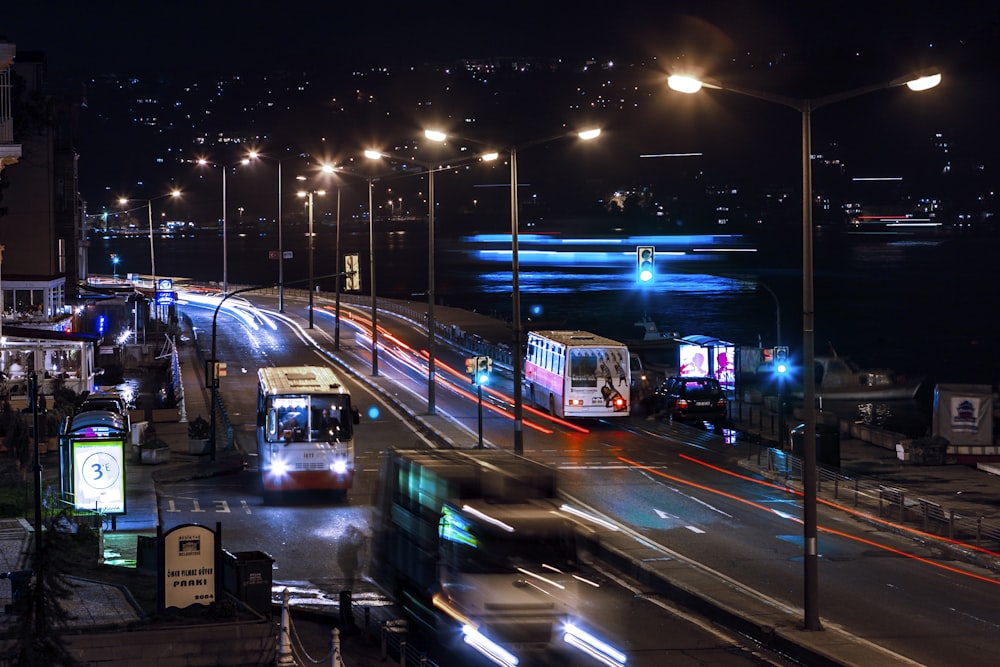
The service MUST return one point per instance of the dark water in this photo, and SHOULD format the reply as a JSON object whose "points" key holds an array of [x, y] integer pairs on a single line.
{"points": [[924, 307]]}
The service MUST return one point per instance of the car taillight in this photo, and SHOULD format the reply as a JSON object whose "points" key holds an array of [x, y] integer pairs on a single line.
{"points": [[682, 404], [722, 403]]}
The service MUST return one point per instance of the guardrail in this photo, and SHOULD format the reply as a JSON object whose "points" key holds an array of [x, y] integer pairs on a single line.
{"points": [[411, 311], [892, 504]]}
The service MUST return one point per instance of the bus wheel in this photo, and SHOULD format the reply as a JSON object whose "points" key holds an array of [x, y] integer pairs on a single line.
{"points": [[552, 405]]}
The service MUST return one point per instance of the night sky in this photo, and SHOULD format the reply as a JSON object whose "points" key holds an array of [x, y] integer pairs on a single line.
{"points": [[798, 48], [102, 36]]}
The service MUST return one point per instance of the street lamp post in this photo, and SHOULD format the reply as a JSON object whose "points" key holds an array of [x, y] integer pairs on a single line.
{"points": [[225, 245], [429, 169], [309, 203], [254, 155], [371, 276], [431, 363], [152, 251], [685, 84], [516, 361], [330, 169]]}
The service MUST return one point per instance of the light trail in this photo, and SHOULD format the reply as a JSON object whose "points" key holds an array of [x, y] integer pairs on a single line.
{"points": [[768, 510], [845, 508]]}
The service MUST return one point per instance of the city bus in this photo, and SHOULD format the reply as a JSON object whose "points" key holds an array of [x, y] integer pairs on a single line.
{"points": [[305, 430], [577, 374]]}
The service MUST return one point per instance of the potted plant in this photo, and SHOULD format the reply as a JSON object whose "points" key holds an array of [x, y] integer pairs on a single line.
{"points": [[152, 450], [199, 435]]}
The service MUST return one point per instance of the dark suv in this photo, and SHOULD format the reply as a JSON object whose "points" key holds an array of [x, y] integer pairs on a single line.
{"points": [[689, 398]]}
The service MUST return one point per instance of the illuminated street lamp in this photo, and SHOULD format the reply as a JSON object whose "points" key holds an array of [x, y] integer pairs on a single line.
{"points": [[429, 169], [254, 155], [225, 245], [149, 205], [309, 203], [687, 84], [584, 135]]}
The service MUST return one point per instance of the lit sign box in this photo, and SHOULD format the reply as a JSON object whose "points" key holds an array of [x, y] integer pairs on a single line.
{"points": [[708, 361], [99, 475]]}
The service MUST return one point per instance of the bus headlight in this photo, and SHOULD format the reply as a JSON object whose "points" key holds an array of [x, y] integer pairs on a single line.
{"points": [[279, 468], [339, 466]]}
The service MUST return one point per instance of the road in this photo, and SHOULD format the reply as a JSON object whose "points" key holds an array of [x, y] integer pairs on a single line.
{"points": [[677, 487]]}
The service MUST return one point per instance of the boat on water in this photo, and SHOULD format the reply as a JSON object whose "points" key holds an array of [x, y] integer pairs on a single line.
{"points": [[657, 349], [840, 378]]}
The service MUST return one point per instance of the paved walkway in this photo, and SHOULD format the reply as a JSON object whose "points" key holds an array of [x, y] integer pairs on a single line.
{"points": [[960, 489]]}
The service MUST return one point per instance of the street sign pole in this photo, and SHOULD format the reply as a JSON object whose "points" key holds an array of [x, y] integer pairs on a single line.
{"points": [[480, 388]]}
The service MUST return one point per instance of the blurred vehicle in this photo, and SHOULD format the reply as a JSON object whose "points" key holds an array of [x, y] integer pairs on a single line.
{"points": [[475, 543], [684, 398]]}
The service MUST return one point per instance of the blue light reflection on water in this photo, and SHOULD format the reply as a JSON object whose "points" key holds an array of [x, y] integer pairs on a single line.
{"points": [[924, 307]]}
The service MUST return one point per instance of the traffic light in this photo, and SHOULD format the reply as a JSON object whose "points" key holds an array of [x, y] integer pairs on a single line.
{"points": [[644, 256], [484, 365], [470, 365], [781, 359]]}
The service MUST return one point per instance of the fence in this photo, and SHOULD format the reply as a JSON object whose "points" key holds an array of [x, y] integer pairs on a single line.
{"points": [[889, 503]]}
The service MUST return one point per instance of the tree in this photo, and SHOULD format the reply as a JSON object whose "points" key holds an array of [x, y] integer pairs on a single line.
{"points": [[41, 616]]}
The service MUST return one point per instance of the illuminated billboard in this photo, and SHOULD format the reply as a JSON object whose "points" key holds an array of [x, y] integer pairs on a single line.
{"points": [[708, 361], [99, 475]]}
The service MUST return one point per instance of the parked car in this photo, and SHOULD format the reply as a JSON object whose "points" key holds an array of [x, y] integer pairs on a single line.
{"points": [[108, 401], [684, 398]]}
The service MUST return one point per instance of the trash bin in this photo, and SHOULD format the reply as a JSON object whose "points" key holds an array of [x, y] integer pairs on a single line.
{"points": [[146, 553], [247, 576], [827, 443]]}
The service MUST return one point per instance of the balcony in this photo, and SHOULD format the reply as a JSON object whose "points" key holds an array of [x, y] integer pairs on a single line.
{"points": [[9, 151]]}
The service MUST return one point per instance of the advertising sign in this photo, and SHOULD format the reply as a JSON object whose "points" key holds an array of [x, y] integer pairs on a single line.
{"points": [[708, 361], [963, 413], [164, 291], [189, 558], [99, 475]]}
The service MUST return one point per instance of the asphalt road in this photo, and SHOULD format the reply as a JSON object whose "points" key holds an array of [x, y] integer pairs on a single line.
{"points": [[675, 486]]}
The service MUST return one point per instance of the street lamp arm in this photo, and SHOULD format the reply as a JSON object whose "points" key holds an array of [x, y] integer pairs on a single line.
{"points": [[914, 81]]}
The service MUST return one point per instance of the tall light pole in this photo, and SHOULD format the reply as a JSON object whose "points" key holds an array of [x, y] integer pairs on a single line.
{"points": [[371, 274], [149, 206], [225, 244], [309, 203], [430, 171], [254, 155], [686, 84], [516, 361], [330, 169]]}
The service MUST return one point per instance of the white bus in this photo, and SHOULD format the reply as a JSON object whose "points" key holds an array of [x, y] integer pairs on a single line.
{"points": [[577, 374], [305, 430]]}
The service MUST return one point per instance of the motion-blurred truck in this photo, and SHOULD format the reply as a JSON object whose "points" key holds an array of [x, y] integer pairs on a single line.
{"points": [[474, 543]]}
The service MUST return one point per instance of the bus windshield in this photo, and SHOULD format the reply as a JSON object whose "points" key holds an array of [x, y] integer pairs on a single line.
{"points": [[310, 418]]}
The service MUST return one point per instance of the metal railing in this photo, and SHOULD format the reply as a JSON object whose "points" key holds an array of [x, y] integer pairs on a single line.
{"points": [[891, 504]]}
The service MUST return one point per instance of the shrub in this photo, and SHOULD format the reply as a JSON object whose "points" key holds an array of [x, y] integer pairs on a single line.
{"points": [[199, 429]]}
